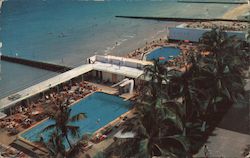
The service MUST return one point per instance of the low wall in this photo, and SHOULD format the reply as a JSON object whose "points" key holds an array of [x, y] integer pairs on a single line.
{"points": [[37, 64], [215, 2], [181, 19]]}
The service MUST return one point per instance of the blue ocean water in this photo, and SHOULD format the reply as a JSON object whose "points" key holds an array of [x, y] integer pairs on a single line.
{"points": [[15, 77], [69, 31], [99, 107]]}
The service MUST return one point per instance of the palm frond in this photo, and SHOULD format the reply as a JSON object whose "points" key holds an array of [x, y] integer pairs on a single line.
{"points": [[143, 149], [182, 140], [74, 130], [50, 127], [78, 117]]}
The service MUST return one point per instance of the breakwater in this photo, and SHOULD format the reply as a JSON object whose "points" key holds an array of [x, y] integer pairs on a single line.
{"points": [[36, 64], [214, 2], [182, 19]]}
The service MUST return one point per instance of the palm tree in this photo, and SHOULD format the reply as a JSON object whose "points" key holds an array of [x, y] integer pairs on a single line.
{"points": [[158, 81], [158, 132], [156, 74], [63, 122], [188, 89], [214, 41], [248, 31], [221, 68], [54, 145], [158, 122], [161, 121], [57, 149]]}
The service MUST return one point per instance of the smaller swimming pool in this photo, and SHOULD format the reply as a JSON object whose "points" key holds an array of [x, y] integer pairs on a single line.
{"points": [[166, 52], [99, 106]]}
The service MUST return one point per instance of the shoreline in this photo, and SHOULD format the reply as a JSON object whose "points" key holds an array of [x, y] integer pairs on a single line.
{"points": [[1, 2], [236, 12]]}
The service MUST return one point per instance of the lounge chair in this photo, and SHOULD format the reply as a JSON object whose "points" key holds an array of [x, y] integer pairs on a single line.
{"points": [[13, 131], [88, 146]]}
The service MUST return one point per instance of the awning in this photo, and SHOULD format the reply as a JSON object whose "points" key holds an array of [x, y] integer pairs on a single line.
{"points": [[2, 115]]}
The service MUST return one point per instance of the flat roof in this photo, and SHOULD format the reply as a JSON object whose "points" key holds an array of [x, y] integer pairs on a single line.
{"points": [[120, 70], [66, 76], [142, 62]]}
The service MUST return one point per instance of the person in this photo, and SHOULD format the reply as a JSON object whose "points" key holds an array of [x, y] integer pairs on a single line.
{"points": [[119, 64], [20, 109], [98, 121], [205, 151], [41, 138]]}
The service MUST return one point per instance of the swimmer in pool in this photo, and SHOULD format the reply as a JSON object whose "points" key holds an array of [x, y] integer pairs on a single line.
{"points": [[98, 121]]}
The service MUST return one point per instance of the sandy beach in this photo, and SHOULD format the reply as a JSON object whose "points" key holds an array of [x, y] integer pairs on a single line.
{"points": [[237, 11], [1, 1]]}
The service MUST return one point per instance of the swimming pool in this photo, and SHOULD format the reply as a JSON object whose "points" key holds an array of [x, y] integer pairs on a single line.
{"points": [[165, 52], [98, 106]]}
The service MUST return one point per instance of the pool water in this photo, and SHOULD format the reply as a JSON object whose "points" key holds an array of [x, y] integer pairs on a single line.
{"points": [[165, 52], [100, 108]]}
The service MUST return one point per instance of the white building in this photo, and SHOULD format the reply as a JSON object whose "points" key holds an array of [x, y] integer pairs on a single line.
{"points": [[181, 33]]}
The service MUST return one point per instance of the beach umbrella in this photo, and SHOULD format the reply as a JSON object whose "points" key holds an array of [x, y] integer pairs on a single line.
{"points": [[161, 58]]}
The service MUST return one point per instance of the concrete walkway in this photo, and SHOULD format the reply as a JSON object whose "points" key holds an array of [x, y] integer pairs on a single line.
{"points": [[100, 147], [5, 138], [225, 143]]}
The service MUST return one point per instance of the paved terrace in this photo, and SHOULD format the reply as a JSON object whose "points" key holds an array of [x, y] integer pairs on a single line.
{"points": [[116, 65]]}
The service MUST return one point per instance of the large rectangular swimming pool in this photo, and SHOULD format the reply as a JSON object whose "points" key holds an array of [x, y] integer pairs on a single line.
{"points": [[100, 108]]}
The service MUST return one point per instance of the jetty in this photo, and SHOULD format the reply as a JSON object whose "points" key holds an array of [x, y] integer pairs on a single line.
{"points": [[37, 64], [182, 19], [214, 2]]}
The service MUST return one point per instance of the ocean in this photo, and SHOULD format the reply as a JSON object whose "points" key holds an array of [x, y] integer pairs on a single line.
{"points": [[68, 31]]}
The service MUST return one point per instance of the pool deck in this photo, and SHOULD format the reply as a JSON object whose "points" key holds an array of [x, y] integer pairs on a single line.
{"points": [[98, 147], [104, 88], [6, 139]]}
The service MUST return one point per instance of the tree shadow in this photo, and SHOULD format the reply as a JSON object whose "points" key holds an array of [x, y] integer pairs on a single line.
{"points": [[246, 151], [213, 122], [237, 118]]}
